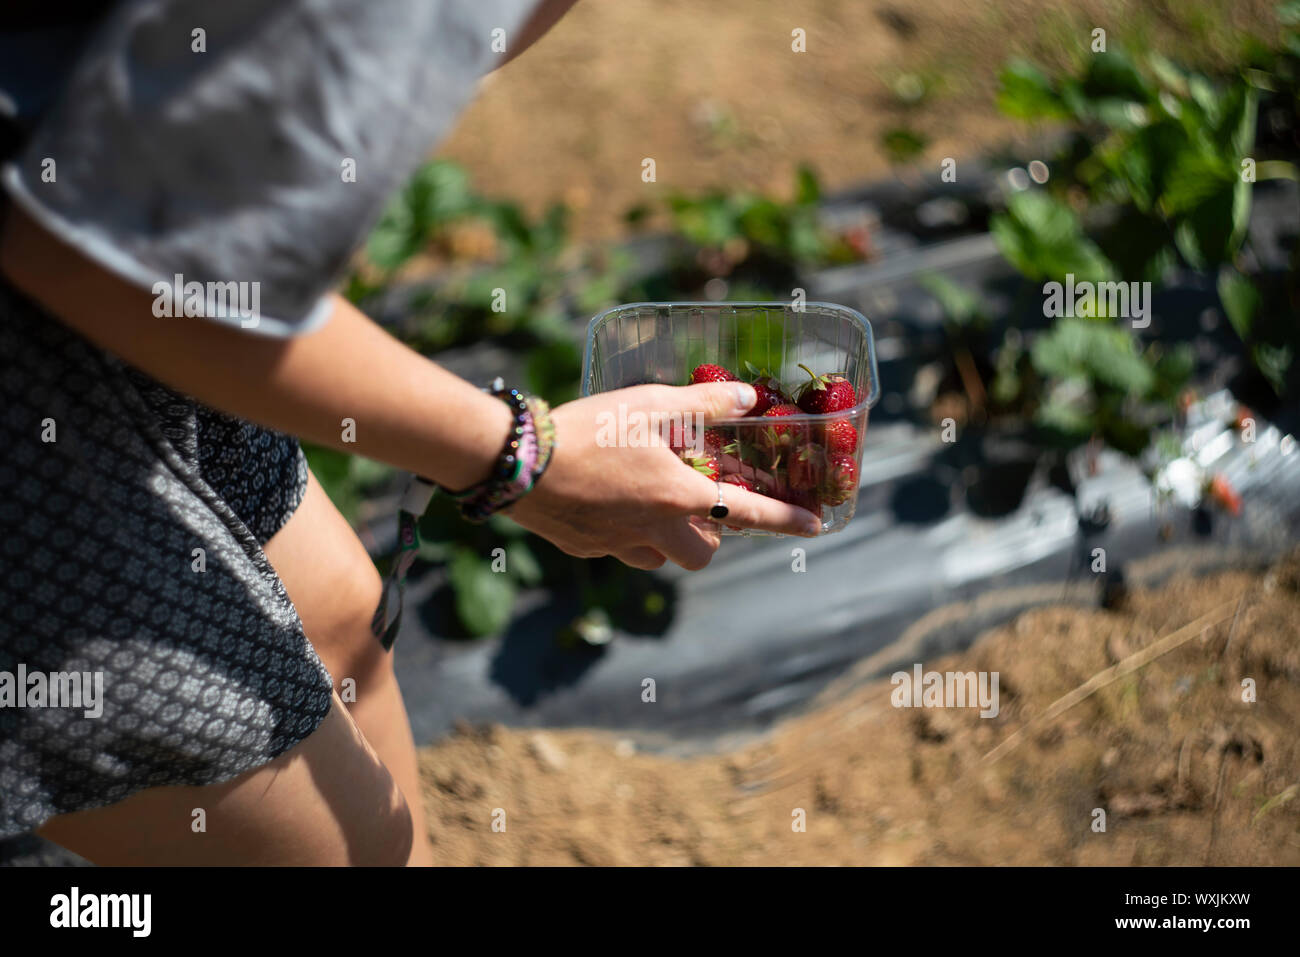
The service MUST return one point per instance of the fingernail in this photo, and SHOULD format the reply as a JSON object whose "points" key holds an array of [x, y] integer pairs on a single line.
{"points": [[814, 527], [744, 394]]}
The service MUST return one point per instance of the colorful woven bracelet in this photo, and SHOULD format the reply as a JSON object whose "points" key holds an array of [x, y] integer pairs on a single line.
{"points": [[525, 455]]}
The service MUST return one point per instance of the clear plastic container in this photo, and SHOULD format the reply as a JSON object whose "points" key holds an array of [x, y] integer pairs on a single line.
{"points": [[797, 458]]}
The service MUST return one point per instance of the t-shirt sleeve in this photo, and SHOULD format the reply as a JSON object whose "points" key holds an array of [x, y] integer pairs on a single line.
{"points": [[251, 141]]}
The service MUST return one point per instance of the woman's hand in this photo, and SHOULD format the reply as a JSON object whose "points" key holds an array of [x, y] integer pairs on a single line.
{"points": [[639, 502]]}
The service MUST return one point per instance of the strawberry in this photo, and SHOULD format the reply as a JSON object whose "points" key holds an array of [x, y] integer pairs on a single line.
{"points": [[769, 396], [779, 434], [840, 437], [706, 465], [679, 435], [826, 393], [708, 372], [859, 240], [841, 480], [720, 442], [1225, 495], [768, 389], [806, 468]]}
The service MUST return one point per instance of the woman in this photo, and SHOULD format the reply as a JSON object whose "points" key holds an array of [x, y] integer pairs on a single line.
{"points": [[161, 528]]}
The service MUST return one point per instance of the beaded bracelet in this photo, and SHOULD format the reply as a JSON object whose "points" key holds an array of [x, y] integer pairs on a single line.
{"points": [[523, 459]]}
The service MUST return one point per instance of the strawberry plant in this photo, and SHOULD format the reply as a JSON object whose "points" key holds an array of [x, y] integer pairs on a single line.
{"points": [[756, 243], [1162, 161]]}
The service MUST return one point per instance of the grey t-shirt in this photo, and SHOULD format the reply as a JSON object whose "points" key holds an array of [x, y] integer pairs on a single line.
{"points": [[245, 141]]}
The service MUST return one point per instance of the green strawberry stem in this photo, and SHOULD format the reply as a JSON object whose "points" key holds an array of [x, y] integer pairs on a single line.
{"points": [[818, 382]]}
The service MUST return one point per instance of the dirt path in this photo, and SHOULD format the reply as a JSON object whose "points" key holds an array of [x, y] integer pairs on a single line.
{"points": [[1186, 772], [716, 96]]}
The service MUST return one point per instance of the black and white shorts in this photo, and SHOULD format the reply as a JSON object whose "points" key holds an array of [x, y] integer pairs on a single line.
{"points": [[132, 521]]}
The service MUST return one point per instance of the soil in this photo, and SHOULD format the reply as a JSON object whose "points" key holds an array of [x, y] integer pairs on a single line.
{"points": [[716, 96], [1185, 770]]}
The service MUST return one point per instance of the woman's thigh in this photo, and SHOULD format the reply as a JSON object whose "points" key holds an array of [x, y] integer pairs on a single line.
{"points": [[333, 585], [327, 801], [335, 588]]}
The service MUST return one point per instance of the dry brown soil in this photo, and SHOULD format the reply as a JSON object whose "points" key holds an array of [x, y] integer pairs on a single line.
{"points": [[1186, 772]]}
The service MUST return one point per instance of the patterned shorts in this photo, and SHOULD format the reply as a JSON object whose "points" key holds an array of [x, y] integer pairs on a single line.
{"points": [[132, 521]]}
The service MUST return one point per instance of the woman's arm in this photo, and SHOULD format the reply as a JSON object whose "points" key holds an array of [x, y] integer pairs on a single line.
{"points": [[408, 412], [306, 386]]}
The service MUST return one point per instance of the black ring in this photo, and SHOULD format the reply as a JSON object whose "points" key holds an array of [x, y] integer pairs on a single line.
{"points": [[720, 510]]}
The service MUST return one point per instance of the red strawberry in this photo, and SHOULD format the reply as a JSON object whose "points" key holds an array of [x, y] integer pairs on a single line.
{"points": [[1225, 495], [720, 442], [806, 468], [840, 437], [826, 393], [768, 389], [841, 480], [769, 395], [711, 373], [679, 435], [706, 465], [779, 434]]}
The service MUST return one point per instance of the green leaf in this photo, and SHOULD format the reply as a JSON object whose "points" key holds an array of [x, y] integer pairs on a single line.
{"points": [[523, 564], [1096, 351], [484, 598], [1140, 246], [1194, 179], [1168, 73], [902, 144], [1274, 362], [1026, 93], [1237, 125], [553, 370], [437, 193], [1211, 232], [961, 306], [368, 472], [807, 190], [1065, 418], [1042, 238], [503, 526], [394, 239], [763, 221], [1113, 75], [1240, 299]]}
